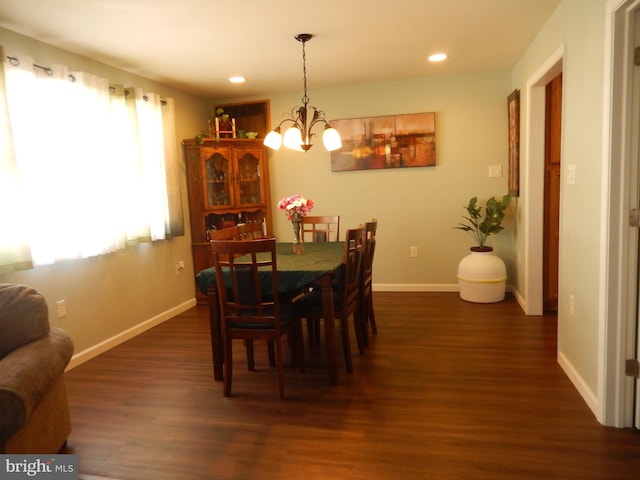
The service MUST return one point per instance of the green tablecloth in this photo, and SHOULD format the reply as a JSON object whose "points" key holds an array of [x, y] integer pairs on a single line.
{"points": [[294, 271]]}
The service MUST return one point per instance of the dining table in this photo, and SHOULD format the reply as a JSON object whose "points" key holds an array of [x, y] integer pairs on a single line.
{"points": [[317, 266]]}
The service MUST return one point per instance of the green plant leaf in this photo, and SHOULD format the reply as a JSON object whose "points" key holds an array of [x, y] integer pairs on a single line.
{"points": [[482, 227]]}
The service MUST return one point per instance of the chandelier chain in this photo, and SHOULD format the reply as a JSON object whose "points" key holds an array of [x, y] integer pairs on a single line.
{"points": [[305, 99]]}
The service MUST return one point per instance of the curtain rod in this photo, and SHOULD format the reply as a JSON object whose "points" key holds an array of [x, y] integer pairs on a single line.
{"points": [[16, 62]]}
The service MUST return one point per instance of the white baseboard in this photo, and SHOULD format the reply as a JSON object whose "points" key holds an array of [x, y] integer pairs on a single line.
{"points": [[414, 287], [91, 352], [519, 298], [419, 287], [578, 382]]}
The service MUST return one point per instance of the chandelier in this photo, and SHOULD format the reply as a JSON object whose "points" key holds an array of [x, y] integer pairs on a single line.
{"points": [[298, 136]]}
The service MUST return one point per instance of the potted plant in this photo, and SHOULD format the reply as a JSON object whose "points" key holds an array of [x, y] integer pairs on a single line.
{"points": [[482, 275]]}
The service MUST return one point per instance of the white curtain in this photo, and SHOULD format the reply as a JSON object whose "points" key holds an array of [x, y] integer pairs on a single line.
{"points": [[90, 162], [15, 253], [175, 227]]}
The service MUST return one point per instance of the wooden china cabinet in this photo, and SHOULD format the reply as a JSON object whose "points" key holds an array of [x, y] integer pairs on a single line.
{"points": [[228, 183]]}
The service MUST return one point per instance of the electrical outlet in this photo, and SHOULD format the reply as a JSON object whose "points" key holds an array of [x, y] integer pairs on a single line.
{"points": [[62, 308], [179, 267], [413, 251]]}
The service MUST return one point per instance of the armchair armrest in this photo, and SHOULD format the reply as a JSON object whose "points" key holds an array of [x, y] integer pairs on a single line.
{"points": [[27, 374]]}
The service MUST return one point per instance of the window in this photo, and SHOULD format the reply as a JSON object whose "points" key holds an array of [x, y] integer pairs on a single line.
{"points": [[87, 168]]}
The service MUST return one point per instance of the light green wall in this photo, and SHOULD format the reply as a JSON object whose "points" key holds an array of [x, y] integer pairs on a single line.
{"points": [[111, 294], [414, 206], [578, 27]]}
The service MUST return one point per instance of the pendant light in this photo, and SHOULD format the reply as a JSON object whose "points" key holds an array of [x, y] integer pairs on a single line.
{"points": [[299, 135]]}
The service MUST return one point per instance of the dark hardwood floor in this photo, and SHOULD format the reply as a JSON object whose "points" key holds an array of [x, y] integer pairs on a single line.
{"points": [[447, 390]]}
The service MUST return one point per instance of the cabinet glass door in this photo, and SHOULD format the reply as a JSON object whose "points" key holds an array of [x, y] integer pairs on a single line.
{"points": [[249, 181], [217, 178]]}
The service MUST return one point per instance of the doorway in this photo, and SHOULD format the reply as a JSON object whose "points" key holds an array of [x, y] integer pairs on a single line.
{"points": [[534, 178], [552, 170]]}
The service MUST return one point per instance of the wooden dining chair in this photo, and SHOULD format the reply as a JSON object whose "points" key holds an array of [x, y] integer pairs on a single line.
{"points": [[319, 228], [325, 228], [366, 283], [346, 295], [250, 307], [251, 230], [238, 233]]}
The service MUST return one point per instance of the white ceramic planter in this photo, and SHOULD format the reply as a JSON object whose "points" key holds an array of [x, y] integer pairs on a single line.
{"points": [[482, 277]]}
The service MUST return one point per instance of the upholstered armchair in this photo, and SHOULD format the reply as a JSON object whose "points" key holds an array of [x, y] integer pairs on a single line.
{"points": [[34, 412]]}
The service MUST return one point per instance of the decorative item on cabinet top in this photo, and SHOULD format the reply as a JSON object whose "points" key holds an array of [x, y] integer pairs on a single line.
{"points": [[252, 119], [237, 121]]}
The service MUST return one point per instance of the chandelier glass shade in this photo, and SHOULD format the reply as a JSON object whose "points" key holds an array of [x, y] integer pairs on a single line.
{"points": [[300, 122]]}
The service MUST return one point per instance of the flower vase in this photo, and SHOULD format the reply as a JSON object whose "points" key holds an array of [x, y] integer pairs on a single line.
{"points": [[298, 244]]}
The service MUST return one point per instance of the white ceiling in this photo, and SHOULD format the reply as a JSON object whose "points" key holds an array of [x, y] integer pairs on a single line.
{"points": [[196, 45]]}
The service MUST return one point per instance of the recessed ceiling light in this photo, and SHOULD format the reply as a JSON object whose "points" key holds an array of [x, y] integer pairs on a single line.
{"points": [[237, 79], [437, 57]]}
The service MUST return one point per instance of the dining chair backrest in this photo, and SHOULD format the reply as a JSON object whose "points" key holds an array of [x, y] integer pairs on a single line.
{"points": [[321, 228], [242, 295], [366, 284], [370, 229], [251, 230], [353, 257]]}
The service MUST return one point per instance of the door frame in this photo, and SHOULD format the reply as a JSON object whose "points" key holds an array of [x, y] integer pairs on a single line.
{"points": [[535, 107], [619, 256]]}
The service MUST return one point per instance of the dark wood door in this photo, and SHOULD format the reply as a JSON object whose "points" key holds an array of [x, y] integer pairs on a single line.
{"points": [[552, 170]]}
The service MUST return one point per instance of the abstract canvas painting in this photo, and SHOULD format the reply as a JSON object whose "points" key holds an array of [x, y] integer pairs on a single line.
{"points": [[396, 141]]}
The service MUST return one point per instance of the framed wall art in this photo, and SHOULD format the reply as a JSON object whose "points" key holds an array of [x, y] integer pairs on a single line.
{"points": [[513, 109], [396, 141]]}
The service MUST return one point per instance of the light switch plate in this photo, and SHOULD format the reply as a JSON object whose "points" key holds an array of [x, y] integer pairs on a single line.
{"points": [[571, 174], [495, 171]]}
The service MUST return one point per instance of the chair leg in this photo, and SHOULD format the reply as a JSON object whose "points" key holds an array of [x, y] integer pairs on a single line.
{"points": [[317, 337], [364, 325], [271, 353], [370, 315], [279, 367], [313, 331], [292, 343], [300, 349], [346, 344], [310, 332], [228, 359], [358, 326], [251, 362]]}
